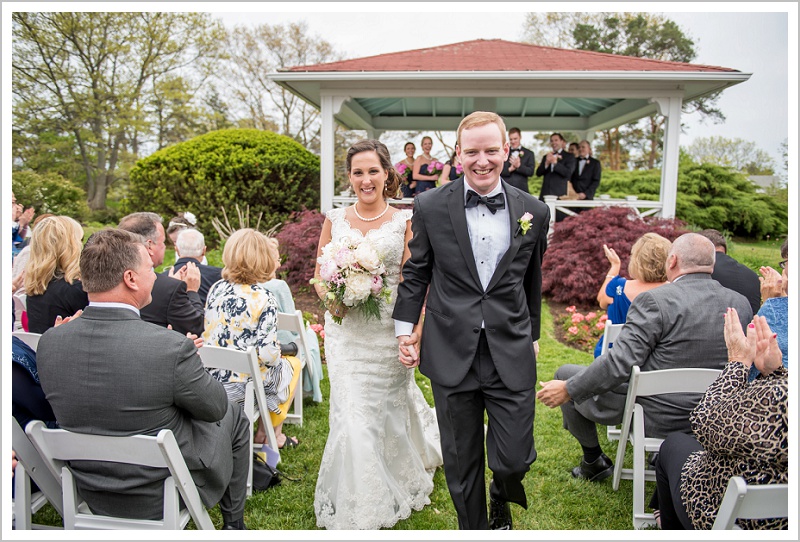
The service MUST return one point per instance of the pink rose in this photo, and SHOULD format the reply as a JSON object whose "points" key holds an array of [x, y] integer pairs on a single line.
{"points": [[571, 308], [585, 327], [603, 318], [527, 217], [600, 325], [459, 169], [590, 315], [573, 330], [316, 328], [577, 317], [322, 333]]}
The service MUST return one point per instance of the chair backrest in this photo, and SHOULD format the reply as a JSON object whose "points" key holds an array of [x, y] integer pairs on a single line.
{"points": [[20, 302], [743, 501], [31, 339], [57, 446], [293, 321], [610, 333]]}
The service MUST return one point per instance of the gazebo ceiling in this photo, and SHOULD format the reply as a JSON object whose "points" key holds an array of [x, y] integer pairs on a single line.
{"points": [[535, 88]]}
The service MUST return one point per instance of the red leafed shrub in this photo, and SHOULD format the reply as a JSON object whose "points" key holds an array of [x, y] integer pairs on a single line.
{"points": [[298, 240], [575, 266]]}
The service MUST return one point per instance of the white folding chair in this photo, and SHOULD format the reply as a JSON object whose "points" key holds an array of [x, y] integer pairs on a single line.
{"points": [[230, 359], [294, 322], [610, 333], [57, 446], [645, 384], [31, 339], [20, 306], [743, 501], [31, 466]]}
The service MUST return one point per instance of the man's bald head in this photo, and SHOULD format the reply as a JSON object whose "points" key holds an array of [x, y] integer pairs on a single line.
{"points": [[690, 253]]}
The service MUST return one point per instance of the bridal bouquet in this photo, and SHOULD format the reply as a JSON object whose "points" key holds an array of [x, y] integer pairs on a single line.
{"points": [[353, 273]]}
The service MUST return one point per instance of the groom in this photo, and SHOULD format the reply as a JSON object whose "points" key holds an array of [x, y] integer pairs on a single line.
{"points": [[476, 253]]}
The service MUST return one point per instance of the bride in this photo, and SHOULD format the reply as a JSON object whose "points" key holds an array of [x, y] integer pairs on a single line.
{"points": [[383, 442]]}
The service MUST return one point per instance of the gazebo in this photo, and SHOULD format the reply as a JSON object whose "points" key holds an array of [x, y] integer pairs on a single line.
{"points": [[532, 87]]}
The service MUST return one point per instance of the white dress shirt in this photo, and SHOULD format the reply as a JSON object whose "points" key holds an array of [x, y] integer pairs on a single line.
{"points": [[114, 305]]}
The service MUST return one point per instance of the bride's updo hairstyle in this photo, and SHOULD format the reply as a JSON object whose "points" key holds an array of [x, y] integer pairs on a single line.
{"points": [[392, 185]]}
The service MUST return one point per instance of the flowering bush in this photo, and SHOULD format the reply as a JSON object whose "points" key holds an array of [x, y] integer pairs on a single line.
{"points": [[298, 242], [582, 331]]}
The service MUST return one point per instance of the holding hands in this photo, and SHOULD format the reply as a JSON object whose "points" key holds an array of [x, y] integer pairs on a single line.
{"points": [[409, 350]]}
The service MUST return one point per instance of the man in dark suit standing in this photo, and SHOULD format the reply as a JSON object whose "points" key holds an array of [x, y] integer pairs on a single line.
{"points": [[476, 254], [586, 177], [673, 326], [556, 167], [175, 298], [520, 164], [110, 373], [732, 274], [190, 248]]}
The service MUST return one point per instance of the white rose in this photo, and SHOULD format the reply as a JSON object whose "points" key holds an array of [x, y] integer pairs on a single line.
{"points": [[367, 257], [357, 288]]}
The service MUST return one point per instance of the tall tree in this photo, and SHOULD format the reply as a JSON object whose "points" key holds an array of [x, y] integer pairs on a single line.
{"points": [[257, 51], [94, 72], [644, 35], [739, 154]]}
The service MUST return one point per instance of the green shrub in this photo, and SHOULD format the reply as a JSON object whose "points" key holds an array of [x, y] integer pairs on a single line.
{"points": [[272, 173], [709, 196], [49, 193]]}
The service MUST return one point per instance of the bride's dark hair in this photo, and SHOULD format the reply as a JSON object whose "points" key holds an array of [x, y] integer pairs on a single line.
{"points": [[392, 185]]}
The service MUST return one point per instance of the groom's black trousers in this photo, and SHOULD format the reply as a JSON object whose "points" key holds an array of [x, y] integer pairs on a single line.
{"points": [[509, 440]]}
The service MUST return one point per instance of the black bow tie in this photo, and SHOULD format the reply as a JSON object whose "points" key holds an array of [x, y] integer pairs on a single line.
{"points": [[582, 158], [516, 150], [493, 203]]}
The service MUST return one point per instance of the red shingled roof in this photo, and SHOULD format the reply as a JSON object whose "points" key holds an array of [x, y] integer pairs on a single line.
{"points": [[501, 55]]}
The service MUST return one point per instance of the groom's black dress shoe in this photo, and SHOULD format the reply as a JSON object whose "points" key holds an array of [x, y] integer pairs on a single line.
{"points": [[499, 515], [596, 471]]}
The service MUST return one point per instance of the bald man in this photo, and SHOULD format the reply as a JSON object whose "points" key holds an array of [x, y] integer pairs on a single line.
{"points": [[673, 326]]}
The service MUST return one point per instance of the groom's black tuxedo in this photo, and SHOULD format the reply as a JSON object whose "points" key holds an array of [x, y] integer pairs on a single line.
{"points": [[473, 369]]}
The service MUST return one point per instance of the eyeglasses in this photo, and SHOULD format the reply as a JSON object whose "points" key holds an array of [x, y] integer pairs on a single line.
{"points": [[783, 264]]}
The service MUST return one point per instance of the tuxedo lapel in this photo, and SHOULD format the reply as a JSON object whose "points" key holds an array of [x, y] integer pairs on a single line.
{"points": [[516, 209], [458, 217]]}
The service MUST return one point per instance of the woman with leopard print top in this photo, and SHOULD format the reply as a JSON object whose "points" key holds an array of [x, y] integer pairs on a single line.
{"points": [[740, 429]]}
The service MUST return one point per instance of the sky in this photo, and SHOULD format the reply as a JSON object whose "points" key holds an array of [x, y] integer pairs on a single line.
{"points": [[753, 40]]}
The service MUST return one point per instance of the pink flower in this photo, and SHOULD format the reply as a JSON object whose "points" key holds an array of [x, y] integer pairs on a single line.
{"points": [[603, 318], [571, 308], [573, 330], [600, 325], [316, 328], [577, 317], [401, 167], [585, 327], [322, 333], [591, 315], [377, 284], [459, 169]]}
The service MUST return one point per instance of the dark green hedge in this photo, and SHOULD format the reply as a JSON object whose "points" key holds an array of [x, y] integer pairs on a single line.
{"points": [[272, 173]]}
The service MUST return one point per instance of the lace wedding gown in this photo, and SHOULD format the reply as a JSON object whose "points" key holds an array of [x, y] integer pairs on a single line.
{"points": [[383, 442]]}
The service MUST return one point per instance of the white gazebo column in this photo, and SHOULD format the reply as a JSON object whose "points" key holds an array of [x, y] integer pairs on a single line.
{"points": [[329, 106], [670, 107]]}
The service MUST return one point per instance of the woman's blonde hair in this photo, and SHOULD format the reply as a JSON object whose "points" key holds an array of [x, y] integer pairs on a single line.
{"points": [[56, 244], [649, 257], [247, 257]]}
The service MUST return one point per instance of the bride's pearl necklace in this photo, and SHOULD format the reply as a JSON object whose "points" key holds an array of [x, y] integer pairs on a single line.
{"points": [[374, 218]]}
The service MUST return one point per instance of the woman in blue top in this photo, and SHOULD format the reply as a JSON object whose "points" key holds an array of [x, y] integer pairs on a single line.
{"points": [[647, 271], [775, 304]]}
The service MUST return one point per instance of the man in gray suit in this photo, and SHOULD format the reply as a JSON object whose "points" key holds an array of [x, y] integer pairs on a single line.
{"points": [[111, 373], [673, 326]]}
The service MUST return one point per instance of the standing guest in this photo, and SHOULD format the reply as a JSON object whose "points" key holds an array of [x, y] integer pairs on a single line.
{"points": [[475, 255], [176, 301], [586, 177], [740, 428], [556, 167], [669, 327], [52, 275], [190, 248], [732, 274], [574, 149], [111, 373], [240, 314], [647, 271], [409, 184], [520, 164], [425, 180], [451, 171]]}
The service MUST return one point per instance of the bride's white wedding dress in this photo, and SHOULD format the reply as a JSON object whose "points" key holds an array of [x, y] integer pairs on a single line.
{"points": [[383, 444]]}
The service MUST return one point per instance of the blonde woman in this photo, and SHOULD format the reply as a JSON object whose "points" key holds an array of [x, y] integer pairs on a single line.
{"points": [[646, 269], [53, 271], [241, 313]]}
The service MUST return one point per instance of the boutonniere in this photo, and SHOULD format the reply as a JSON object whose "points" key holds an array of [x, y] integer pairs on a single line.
{"points": [[524, 224], [521, 153]]}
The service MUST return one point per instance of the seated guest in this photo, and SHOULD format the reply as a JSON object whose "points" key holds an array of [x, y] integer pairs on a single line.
{"points": [[740, 429], [176, 301], [179, 223], [283, 296], [28, 402], [669, 327], [52, 274], [646, 268], [190, 247], [240, 313], [775, 307], [732, 274], [152, 380]]}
